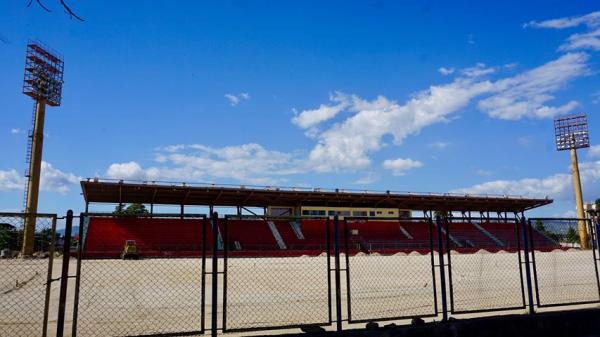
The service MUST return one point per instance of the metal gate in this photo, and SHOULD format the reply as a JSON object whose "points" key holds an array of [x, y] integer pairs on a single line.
{"points": [[564, 272], [26, 283], [161, 293], [393, 278], [272, 284], [485, 269]]}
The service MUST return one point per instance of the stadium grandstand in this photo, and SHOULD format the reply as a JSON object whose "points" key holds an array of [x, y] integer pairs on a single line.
{"points": [[295, 220]]}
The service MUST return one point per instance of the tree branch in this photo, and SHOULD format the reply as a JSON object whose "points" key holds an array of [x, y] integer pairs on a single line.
{"points": [[69, 11], [39, 2]]}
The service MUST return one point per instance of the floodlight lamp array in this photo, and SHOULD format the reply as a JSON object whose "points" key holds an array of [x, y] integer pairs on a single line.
{"points": [[571, 132], [43, 74]]}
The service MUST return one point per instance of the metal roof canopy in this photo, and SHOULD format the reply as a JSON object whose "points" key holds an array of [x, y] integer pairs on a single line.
{"points": [[95, 191]]}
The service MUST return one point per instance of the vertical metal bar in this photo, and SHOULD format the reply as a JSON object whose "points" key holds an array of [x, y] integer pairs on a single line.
{"points": [[328, 249], [438, 221], [348, 290], [225, 238], [49, 276], [338, 289], [432, 254], [449, 252], [78, 276], [593, 237], [518, 237], [532, 250], [64, 277], [215, 266], [527, 266], [203, 291]]}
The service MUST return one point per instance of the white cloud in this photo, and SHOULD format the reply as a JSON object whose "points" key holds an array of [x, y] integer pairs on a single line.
{"points": [[128, 171], [11, 180], [347, 144], [595, 97], [237, 99], [246, 164], [309, 118], [587, 40], [369, 178], [400, 166], [478, 70], [530, 187], [15, 131], [483, 173], [52, 179], [556, 186], [438, 145], [526, 94], [55, 180], [591, 20], [594, 151], [446, 71]]}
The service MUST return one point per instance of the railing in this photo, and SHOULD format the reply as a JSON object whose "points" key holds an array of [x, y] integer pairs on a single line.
{"points": [[335, 281]]}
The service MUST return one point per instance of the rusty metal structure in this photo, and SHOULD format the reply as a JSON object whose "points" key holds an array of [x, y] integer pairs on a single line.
{"points": [[43, 81], [571, 133]]}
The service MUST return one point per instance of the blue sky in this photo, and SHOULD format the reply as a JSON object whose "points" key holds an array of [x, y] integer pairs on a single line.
{"points": [[382, 95]]}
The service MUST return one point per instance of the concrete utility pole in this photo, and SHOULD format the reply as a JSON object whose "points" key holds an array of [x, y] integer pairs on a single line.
{"points": [[583, 234], [43, 82], [33, 186]]}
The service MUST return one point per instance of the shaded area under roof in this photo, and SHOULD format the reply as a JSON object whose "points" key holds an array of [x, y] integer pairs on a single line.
{"points": [[101, 191]]}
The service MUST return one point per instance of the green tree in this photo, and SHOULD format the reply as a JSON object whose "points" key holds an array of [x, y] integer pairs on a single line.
{"points": [[572, 236], [597, 205], [9, 238], [133, 209], [539, 226]]}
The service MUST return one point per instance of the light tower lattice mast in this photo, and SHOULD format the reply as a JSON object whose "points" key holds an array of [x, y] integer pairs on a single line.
{"points": [[43, 82], [571, 134]]}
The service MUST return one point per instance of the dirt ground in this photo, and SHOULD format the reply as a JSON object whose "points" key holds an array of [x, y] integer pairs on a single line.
{"points": [[149, 296]]}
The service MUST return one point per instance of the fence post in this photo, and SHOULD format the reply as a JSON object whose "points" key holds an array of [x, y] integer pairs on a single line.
{"points": [[338, 288], [64, 276], [597, 224], [438, 222], [527, 265], [215, 265]]}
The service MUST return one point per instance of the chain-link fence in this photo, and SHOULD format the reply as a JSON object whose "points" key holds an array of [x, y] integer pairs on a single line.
{"points": [[564, 261], [389, 268], [485, 270], [140, 275], [276, 273], [25, 280]]}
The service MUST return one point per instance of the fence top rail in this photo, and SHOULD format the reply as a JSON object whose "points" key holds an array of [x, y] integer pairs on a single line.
{"points": [[482, 219], [273, 217], [21, 214], [148, 215], [396, 219], [560, 219]]}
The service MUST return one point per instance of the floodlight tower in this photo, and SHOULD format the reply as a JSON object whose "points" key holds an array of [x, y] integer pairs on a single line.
{"points": [[571, 134], [43, 82]]}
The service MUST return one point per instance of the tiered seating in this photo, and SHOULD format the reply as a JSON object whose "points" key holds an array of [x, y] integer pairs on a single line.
{"points": [[419, 231], [252, 235], [507, 233], [159, 237], [154, 237], [469, 236]]}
